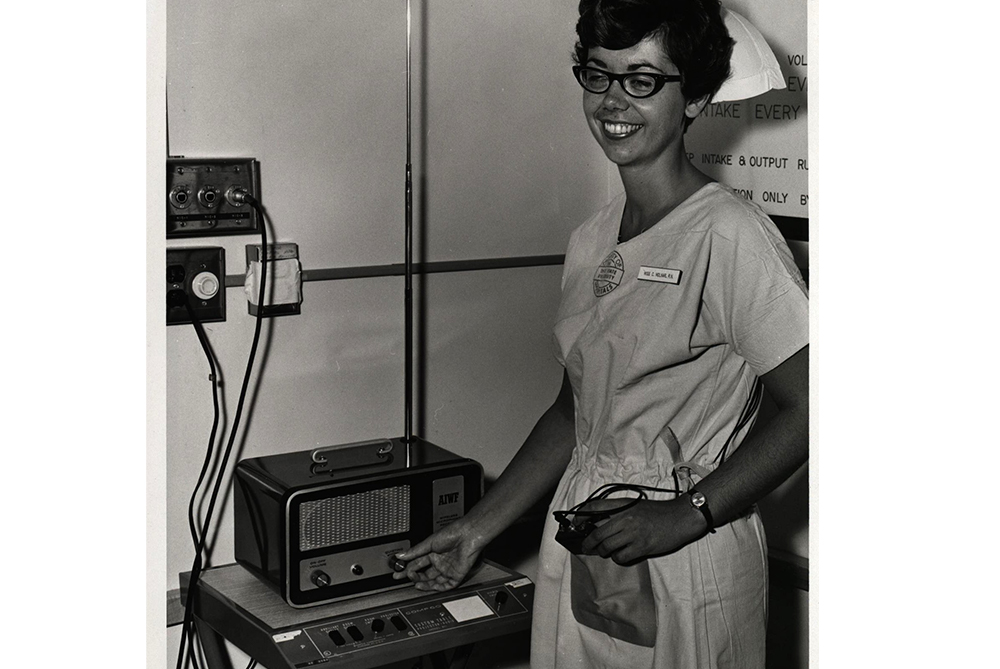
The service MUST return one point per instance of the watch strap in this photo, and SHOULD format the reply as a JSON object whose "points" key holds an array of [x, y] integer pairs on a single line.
{"points": [[705, 511]]}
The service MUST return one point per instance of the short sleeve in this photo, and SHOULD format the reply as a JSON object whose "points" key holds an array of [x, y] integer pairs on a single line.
{"points": [[756, 295], [557, 350]]}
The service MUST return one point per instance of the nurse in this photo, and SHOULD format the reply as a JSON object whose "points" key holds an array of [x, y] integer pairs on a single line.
{"points": [[679, 301]]}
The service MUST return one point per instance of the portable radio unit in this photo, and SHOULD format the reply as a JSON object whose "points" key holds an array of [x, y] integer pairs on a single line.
{"points": [[324, 525]]}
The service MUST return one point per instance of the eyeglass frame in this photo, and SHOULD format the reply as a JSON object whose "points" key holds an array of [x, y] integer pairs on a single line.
{"points": [[659, 80]]}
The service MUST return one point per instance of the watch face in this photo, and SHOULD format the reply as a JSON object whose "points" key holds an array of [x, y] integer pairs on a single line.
{"points": [[697, 499]]}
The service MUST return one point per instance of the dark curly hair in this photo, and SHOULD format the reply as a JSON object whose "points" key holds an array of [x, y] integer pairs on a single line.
{"points": [[692, 32]]}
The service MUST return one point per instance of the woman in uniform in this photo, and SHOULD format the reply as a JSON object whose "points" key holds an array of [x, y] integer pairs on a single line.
{"points": [[680, 299]]}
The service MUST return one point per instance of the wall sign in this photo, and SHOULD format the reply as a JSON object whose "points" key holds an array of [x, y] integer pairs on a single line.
{"points": [[760, 146]]}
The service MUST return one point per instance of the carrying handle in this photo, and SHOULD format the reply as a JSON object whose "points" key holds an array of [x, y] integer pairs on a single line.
{"points": [[356, 454]]}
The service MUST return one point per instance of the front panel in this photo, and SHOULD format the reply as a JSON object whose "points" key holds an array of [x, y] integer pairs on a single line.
{"points": [[341, 538], [366, 632]]}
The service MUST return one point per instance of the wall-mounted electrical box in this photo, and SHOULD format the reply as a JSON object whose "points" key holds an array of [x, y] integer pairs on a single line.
{"points": [[200, 199], [284, 279], [197, 275]]}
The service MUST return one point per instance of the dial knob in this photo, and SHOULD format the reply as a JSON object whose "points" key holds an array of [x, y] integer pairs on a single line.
{"points": [[320, 578], [500, 599]]}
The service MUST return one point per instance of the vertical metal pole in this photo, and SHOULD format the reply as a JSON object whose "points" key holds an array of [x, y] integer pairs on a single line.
{"points": [[409, 257]]}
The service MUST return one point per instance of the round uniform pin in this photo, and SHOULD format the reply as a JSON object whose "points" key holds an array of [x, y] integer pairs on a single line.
{"points": [[609, 274]]}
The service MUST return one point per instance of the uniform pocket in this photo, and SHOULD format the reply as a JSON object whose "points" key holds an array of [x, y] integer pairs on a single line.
{"points": [[613, 599]]}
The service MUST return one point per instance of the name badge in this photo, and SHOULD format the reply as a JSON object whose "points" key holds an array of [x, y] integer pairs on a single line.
{"points": [[660, 274]]}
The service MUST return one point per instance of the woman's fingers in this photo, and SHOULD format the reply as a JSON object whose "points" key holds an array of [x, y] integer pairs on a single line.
{"points": [[413, 568]]}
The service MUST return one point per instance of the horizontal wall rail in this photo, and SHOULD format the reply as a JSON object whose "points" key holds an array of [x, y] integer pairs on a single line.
{"points": [[792, 228], [399, 269]]}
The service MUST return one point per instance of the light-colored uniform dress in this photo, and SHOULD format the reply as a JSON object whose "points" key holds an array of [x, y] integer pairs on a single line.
{"points": [[663, 337]]}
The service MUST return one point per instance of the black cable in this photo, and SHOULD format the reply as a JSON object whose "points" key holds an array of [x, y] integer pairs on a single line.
{"points": [[200, 548], [213, 377], [609, 489], [747, 415]]}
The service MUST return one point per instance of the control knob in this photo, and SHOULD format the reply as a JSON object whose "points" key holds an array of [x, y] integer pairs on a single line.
{"points": [[320, 578], [500, 599]]}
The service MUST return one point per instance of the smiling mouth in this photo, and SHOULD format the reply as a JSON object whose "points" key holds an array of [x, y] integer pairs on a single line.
{"points": [[619, 130]]}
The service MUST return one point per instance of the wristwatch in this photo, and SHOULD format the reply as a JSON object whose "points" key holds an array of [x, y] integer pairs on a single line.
{"points": [[700, 502]]}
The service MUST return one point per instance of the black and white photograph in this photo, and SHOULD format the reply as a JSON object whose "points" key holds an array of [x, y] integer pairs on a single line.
{"points": [[487, 334], [540, 334]]}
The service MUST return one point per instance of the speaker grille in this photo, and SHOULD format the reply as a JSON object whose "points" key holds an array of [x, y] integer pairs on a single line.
{"points": [[364, 515]]}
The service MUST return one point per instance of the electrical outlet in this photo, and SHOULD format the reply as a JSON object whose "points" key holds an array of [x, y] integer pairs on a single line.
{"points": [[200, 199], [199, 275]]}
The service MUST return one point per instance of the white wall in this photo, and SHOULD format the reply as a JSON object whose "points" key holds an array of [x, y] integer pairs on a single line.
{"points": [[315, 90]]}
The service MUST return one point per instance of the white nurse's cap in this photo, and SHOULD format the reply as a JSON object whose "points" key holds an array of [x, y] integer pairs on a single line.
{"points": [[754, 69]]}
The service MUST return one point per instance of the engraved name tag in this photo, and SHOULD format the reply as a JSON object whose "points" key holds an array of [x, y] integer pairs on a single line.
{"points": [[661, 274]]}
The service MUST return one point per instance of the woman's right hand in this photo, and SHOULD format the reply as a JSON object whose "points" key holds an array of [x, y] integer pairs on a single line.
{"points": [[442, 560]]}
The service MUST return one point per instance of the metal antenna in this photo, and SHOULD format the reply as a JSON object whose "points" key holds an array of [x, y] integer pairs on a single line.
{"points": [[408, 290]]}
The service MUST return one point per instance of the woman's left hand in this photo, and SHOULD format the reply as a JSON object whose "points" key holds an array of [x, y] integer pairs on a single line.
{"points": [[648, 529]]}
